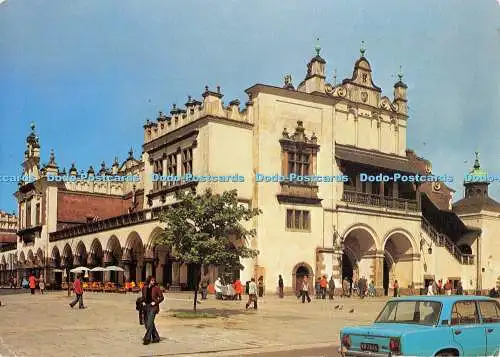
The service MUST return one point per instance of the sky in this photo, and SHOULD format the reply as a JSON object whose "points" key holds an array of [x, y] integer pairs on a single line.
{"points": [[90, 72]]}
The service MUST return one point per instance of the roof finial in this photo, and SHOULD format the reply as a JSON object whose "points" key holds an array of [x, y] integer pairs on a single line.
{"points": [[400, 74], [32, 126], [335, 76], [52, 159], [317, 48], [362, 50], [131, 153], [476, 161]]}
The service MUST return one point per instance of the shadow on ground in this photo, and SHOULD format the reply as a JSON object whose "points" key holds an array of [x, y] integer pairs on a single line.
{"points": [[209, 311]]}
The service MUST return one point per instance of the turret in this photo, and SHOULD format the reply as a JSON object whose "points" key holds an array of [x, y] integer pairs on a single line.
{"points": [[400, 95], [51, 168], [31, 163], [315, 77]]}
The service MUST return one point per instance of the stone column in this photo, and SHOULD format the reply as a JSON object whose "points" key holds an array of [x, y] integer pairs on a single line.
{"points": [[378, 272], [176, 276]]}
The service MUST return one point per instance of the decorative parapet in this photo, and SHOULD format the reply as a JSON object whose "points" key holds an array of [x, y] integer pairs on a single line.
{"points": [[211, 106]]}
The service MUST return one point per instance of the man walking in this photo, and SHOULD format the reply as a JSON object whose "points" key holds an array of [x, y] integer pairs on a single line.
{"points": [[252, 294], [152, 297], [77, 288], [204, 287], [32, 283], [323, 283], [304, 291], [280, 286]]}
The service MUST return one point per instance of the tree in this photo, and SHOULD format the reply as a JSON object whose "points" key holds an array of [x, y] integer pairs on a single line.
{"points": [[207, 229]]}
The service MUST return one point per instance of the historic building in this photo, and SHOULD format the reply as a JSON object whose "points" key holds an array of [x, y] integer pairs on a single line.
{"points": [[348, 227]]}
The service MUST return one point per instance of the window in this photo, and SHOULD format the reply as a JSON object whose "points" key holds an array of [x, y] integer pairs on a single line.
{"points": [[171, 167], [410, 312], [187, 161], [298, 163], [158, 170], [37, 214], [28, 213], [464, 313], [298, 220], [490, 311]]}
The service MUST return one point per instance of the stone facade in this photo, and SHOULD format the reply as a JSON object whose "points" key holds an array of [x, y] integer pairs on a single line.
{"points": [[385, 231]]}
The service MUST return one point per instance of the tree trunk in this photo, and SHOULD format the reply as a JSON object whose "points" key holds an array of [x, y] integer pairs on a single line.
{"points": [[197, 282]]}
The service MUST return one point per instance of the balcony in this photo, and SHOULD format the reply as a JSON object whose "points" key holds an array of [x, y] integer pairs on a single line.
{"points": [[298, 192], [371, 200]]}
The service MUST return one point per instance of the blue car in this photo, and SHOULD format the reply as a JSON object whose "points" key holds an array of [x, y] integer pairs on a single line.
{"points": [[428, 326]]}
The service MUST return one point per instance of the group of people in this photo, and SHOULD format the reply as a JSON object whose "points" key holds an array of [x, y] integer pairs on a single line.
{"points": [[30, 283], [438, 288]]}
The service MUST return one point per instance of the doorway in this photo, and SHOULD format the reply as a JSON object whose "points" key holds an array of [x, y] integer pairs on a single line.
{"points": [[347, 268]]}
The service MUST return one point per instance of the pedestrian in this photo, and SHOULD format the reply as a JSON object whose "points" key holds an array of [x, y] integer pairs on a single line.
{"points": [[140, 309], [25, 284], [304, 291], [362, 287], [331, 288], [440, 287], [460, 289], [32, 283], [77, 288], [396, 288], [218, 289], [41, 284], [345, 288], [238, 289], [448, 287], [280, 286], [252, 294], [435, 288], [317, 289], [261, 286], [204, 287], [323, 284], [372, 292], [152, 296]]}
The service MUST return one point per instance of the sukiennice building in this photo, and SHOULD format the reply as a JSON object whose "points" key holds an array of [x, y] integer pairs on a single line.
{"points": [[344, 226]]}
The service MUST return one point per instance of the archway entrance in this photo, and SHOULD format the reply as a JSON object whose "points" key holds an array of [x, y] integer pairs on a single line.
{"points": [[300, 271], [359, 254], [398, 262], [347, 268]]}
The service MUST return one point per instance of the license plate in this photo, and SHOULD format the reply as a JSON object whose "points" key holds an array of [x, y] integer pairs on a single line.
{"points": [[369, 347]]}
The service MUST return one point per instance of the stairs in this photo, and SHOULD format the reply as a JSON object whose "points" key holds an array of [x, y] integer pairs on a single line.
{"points": [[442, 240]]}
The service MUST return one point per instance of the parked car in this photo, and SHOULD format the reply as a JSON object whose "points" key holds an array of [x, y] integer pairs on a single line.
{"points": [[428, 326]]}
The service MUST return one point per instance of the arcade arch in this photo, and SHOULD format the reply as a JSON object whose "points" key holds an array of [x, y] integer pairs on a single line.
{"points": [[133, 258], [81, 254], [67, 256], [160, 258], [360, 248], [399, 251]]}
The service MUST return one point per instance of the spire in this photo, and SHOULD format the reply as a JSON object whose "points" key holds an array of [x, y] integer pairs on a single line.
{"points": [[317, 48], [32, 126], [131, 153], [335, 77], [362, 49], [476, 161], [400, 74]]}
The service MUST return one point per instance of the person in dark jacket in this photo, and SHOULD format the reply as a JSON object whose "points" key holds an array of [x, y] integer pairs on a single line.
{"points": [[152, 297], [280, 286]]}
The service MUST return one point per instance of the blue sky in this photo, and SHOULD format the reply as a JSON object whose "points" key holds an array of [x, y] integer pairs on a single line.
{"points": [[89, 72]]}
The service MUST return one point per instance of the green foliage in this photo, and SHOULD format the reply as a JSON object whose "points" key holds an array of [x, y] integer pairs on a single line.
{"points": [[208, 229]]}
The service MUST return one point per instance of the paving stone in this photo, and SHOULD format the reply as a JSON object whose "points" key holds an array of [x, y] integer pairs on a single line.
{"points": [[45, 326]]}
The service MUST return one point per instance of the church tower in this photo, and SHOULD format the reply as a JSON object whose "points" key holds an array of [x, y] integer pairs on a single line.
{"points": [[31, 163]]}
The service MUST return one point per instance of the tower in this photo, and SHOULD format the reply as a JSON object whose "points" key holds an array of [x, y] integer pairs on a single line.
{"points": [[315, 77], [31, 163], [400, 98]]}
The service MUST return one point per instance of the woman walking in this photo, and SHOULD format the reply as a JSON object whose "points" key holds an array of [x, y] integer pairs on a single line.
{"points": [[41, 284], [396, 289]]}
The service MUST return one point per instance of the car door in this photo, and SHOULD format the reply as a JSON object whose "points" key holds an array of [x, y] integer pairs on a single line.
{"points": [[466, 329], [490, 314]]}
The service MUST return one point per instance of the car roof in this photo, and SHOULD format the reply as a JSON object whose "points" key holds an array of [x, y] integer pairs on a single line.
{"points": [[442, 298]]}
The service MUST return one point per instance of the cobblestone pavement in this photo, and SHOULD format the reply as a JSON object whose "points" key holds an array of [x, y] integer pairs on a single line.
{"points": [[45, 326]]}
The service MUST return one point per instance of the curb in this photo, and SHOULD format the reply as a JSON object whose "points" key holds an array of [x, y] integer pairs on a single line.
{"points": [[256, 350]]}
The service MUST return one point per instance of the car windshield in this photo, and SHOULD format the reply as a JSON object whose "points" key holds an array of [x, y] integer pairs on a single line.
{"points": [[410, 312]]}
